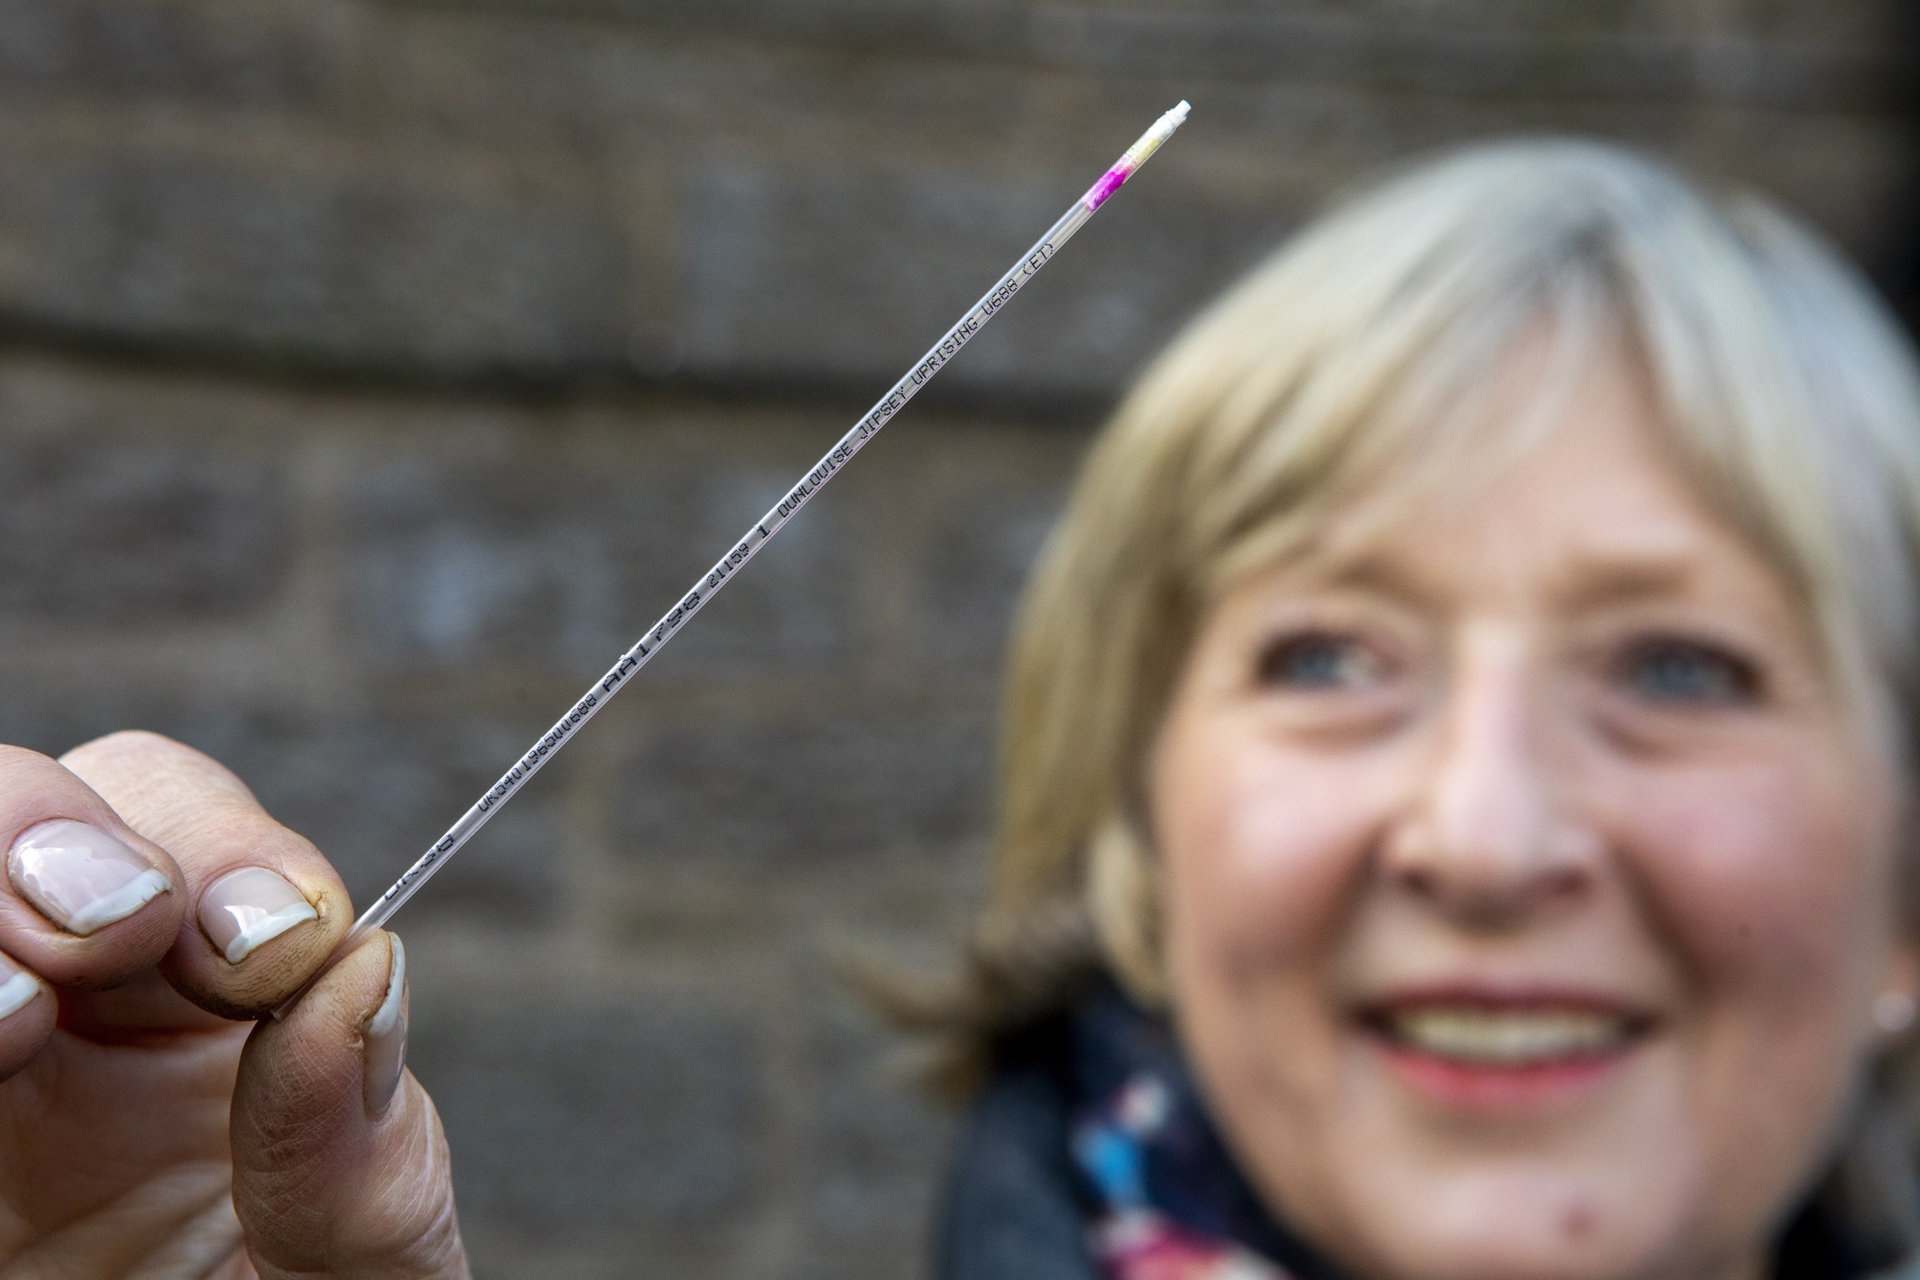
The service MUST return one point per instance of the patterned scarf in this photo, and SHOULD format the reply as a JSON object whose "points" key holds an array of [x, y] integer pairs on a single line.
{"points": [[1169, 1203], [1132, 1239]]}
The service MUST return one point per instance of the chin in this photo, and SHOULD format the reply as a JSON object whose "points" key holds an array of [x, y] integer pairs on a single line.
{"points": [[1524, 1220], [1518, 1245]]}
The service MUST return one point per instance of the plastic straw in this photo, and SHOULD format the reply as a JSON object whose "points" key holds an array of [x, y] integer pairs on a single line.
{"points": [[749, 543]]}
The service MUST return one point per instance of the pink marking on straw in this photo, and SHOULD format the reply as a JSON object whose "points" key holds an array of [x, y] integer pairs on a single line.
{"points": [[1109, 183]]}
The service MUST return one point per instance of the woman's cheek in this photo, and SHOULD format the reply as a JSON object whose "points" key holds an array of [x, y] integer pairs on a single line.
{"points": [[1771, 879], [1263, 849]]}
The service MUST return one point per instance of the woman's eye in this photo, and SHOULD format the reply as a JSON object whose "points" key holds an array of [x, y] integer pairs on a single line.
{"points": [[1317, 660], [1688, 672]]}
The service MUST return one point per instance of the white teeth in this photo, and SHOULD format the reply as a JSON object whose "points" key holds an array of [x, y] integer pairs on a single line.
{"points": [[1506, 1036]]}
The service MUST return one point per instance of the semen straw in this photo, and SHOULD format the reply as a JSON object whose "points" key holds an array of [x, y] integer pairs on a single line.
{"points": [[756, 537]]}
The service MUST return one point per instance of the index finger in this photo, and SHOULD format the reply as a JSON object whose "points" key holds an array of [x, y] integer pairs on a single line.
{"points": [[265, 909]]}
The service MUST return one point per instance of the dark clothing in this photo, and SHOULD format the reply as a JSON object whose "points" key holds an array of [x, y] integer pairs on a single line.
{"points": [[1026, 1184], [1015, 1210]]}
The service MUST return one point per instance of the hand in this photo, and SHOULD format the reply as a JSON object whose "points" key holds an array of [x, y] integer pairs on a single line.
{"points": [[142, 1134]]}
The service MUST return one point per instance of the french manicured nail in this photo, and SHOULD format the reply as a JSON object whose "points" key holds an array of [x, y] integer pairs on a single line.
{"points": [[80, 877], [386, 1039], [245, 908], [17, 988]]}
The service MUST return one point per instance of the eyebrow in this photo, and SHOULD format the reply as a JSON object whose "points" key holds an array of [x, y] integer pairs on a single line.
{"points": [[1612, 578], [1371, 572]]}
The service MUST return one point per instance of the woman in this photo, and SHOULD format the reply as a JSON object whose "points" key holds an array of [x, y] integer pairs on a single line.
{"points": [[1457, 776], [1455, 813]]}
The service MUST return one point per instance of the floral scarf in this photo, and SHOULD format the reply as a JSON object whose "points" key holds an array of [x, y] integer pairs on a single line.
{"points": [[1131, 1238], [1169, 1203]]}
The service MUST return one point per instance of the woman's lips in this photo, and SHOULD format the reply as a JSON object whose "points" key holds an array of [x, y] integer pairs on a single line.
{"points": [[1484, 1049]]}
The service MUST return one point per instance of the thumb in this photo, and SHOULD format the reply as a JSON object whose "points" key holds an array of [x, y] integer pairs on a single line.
{"points": [[339, 1165]]}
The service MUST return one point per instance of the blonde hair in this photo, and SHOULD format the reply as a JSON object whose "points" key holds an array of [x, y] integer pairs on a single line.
{"points": [[1349, 363]]}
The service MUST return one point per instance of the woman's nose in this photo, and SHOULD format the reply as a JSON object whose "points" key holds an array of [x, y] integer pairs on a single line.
{"points": [[1483, 837]]}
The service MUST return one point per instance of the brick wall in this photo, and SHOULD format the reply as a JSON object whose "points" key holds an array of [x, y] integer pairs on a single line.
{"points": [[372, 373]]}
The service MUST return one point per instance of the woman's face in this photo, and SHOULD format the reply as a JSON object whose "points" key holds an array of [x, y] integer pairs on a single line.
{"points": [[1528, 887]]}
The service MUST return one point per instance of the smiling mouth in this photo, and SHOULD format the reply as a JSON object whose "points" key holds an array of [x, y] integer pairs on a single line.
{"points": [[1507, 1038]]}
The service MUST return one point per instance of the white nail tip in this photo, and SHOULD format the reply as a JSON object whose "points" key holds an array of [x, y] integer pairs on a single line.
{"points": [[17, 992], [265, 928], [119, 903], [386, 1039], [387, 1016]]}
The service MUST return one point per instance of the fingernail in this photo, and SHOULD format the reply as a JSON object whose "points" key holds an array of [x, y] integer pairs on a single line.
{"points": [[386, 1039], [80, 877], [17, 988], [245, 908]]}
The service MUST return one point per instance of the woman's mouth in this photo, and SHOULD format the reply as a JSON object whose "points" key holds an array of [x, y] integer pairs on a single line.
{"points": [[1497, 1053], [1506, 1037]]}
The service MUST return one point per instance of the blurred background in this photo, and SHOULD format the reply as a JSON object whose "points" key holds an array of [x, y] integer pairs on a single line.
{"points": [[373, 371]]}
